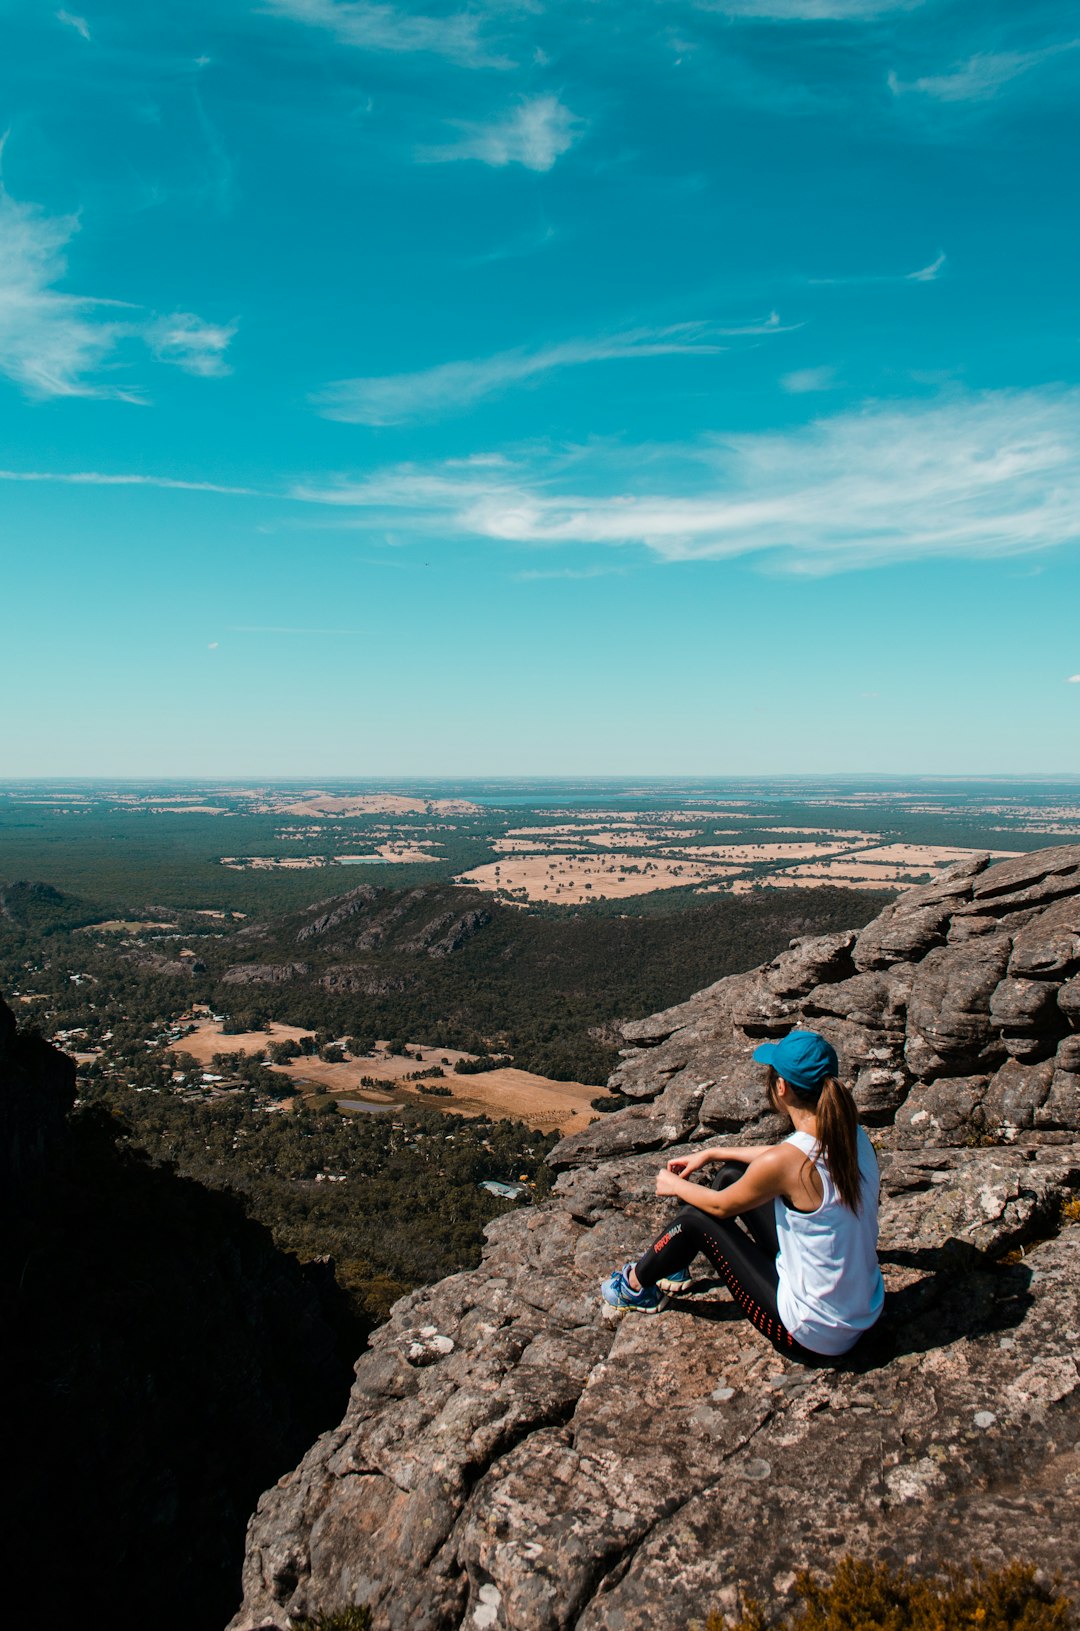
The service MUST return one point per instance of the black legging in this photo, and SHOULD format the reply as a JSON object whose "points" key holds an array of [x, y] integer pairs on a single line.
{"points": [[745, 1257]]}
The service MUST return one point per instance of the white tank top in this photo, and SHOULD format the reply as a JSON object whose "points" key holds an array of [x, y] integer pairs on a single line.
{"points": [[830, 1288]]}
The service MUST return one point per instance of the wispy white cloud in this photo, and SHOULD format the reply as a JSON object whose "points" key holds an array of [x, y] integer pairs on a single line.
{"points": [[396, 398], [372, 27], [265, 628], [931, 273], [574, 574], [219, 187], [1074, 679], [976, 476], [803, 380], [192, 344], [50, 342], [922, 274], [57, 344], [981, 76], [102, 478], [526, 243], [807, 11], [535, 133], [79, 24]]}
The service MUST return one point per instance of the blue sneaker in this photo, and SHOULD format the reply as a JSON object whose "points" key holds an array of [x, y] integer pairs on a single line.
{"points": [[617, 1292], [681, 1280]]}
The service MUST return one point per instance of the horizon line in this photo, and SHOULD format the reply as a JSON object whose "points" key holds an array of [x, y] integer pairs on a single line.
{"points": [[415, 779]]}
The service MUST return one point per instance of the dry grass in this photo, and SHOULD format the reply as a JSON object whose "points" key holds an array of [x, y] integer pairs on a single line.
{"points": [[317, 805], [571, 879], [864, 1596], [118, 925], [208, 1038], [516, 1095]]}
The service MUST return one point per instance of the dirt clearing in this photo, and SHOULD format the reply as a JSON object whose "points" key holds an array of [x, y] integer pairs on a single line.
{"points": [[572, 879], [515, 1095]]}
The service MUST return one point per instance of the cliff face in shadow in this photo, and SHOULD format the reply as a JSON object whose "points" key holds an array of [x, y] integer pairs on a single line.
{"points": [[516, 1456], [164, 1362]]}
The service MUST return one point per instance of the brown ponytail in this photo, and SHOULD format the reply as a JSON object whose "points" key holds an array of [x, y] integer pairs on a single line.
{"points": [[837, 1132]]}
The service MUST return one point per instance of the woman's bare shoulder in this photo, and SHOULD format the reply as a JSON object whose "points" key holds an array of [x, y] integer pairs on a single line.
{"points": [[778, 1160]]}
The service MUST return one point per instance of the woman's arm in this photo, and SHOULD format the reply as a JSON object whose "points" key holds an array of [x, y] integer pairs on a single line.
{"points": [[772, 1172], [683, 1165]]}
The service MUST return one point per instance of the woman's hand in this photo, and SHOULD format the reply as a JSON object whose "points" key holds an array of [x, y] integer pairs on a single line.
{"points": [[683, 1165], [667, 1182]]}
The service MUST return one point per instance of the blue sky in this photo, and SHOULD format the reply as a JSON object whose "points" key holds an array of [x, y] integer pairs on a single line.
{"points": [[616, 388]]}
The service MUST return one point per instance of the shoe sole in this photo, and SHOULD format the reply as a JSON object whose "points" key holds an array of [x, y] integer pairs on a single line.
{"points": [[636, 1308]]}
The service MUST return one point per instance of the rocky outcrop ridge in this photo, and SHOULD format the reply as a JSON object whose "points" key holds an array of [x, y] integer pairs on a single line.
{"points": [[515, 1456], [263, 973], [447, 933], [955, 1013]]}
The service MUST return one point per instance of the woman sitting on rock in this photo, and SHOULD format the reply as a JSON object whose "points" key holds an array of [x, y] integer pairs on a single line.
{"points": [[791, 1228]]}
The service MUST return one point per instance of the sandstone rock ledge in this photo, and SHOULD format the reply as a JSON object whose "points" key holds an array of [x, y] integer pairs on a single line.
{"points": [[515, 1456]]}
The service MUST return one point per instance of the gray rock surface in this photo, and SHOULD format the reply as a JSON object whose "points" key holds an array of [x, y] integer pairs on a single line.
{"points": [[363, 978], [263, 973], [516, 1456], [341, 910]]}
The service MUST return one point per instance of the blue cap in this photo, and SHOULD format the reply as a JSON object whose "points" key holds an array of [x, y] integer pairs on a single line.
{"points": [[803, 1058]]}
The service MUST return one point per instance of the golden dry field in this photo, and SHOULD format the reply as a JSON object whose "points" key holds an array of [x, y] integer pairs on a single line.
{"points": [[517, 1095]]}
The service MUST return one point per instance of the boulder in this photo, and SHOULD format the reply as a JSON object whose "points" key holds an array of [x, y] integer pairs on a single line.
{"points": [[947, 1111], [1068, 1000], [1048, 946], [1035, 880], [949, 1027], [812, 960], [1013, 1095]]}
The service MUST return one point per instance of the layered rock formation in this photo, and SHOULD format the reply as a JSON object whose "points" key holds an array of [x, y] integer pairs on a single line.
{"points": [[516, 1456]]}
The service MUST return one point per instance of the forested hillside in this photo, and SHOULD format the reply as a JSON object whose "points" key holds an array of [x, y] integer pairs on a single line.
{"points": [[452, 967]]}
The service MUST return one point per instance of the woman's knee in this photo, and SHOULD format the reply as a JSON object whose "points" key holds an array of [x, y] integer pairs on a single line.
{"points": [[728, 1172], [691, 1220]]}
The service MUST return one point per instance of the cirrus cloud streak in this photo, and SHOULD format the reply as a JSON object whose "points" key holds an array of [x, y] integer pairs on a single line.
{"points": [[57, 344], [394, 399], [401, 31], [976, 476]]}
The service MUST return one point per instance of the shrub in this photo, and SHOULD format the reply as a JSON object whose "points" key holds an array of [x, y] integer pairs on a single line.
{"points": [[356, 1617], [865, 1596]]}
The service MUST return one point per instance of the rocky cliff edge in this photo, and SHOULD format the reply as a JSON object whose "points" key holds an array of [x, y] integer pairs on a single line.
{"points": [[516, 1456]]}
